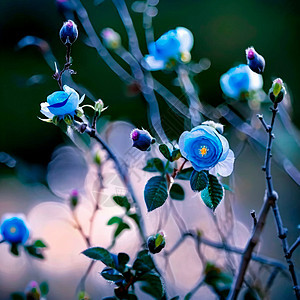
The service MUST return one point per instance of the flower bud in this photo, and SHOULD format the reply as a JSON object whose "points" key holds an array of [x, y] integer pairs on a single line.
{"points": [[142, 139], [99, 106], [68, 119], [97, 158], [156, 242], [277, 91], [32, 291], [74, 199], [111, 39], [255, 61], [69, 32], [79, 112]]}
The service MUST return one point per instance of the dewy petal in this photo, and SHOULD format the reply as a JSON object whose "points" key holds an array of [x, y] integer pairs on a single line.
{"points": [[225, 146], [224, 168], [81, 99], [45, 111], [256, 80], [185, 38], [153, 64], [73, 95]]}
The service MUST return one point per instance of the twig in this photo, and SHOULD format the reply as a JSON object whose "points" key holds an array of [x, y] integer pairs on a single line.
{"points": [[293, 248], [253, 215]]}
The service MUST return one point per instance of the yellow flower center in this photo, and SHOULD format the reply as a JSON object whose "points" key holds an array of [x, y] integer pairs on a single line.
{"points": [[13, 229], [203, 150]]}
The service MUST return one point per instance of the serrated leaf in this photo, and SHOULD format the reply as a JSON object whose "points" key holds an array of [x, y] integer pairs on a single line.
{"points": [[165, 151], [185, 174], [114, 220], [198, 180], [152, 285], [156, 192], [122, 201], [143, 262], [34, 251], [122, 226], [111, 274], [175, 154], [213, 194], [44, 288], [177, 192], [39, 244], [154, 165], [101, 254]]}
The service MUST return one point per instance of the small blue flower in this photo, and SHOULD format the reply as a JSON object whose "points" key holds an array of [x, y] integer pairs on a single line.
{"points": [[61, 103], [240, 80], [206, 149], [13, 229], [141, 139], [173, 45], [255, 61]]}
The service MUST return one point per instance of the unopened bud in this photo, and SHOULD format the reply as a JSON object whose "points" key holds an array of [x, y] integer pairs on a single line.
{"points": [[69, 32], [156, 242], [219, 127], [74, 199], [111, 39], [99, 106], [97, 159], [255, 61], [79, 112], [32, 291], [277, 91], [68, 119], [142, 139]]}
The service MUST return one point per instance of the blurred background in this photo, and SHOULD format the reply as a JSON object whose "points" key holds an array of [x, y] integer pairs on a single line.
{"points": [[222, 30]]}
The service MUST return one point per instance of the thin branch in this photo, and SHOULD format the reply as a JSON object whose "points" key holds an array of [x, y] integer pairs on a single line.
{"points": [[253, 215], [293, 248]]}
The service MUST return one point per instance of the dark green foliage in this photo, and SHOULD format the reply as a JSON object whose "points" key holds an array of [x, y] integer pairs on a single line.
{"points": [[143, 262], [177, 192], [112, 275], [14, 249], [198, 180], [44, 288], [156, 192], [17, 296], [152, 285], [154, 165], [185, 174], [165, 151], [101, 254], [122, 201], [213, 194]]}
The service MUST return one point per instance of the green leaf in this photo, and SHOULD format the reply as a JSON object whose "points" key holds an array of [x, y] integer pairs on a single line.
{"points": [[39, 244], [111, 274], [135, 218], [44, 288], [227, 187], [34, 251], [123, 259], [213, 194], [188, 296], [198, 180], [175, 154], [122, 226], [154, 165], [17, 296], [122, 201], [177, 192], [165, 151], [156, 192], [14, 249], [114, 220], [143, 262], [101, 254], [185, 174], [152, 285]]}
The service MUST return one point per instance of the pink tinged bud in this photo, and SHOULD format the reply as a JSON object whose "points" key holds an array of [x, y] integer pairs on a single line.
{"points": [[74, 193], [135, 135], [250, 53]]}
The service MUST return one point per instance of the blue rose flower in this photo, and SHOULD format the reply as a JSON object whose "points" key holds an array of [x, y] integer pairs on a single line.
{"points": [[13, 229], [206, 149], [175, 44], [240, 80], [61, 103]]}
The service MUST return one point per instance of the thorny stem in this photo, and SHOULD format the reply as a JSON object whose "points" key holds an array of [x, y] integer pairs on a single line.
{"points": [[270, 201]]}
